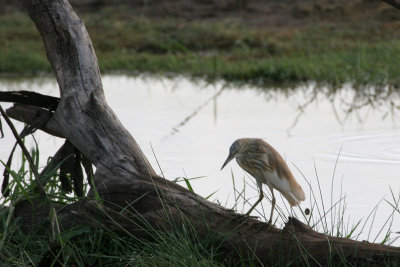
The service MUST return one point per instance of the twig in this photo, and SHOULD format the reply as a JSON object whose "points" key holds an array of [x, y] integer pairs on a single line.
{"points": [[24, 150], [54, 223], [1, 130]]}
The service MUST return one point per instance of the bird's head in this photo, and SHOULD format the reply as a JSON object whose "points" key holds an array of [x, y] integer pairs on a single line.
{"points": [[233, 151]]}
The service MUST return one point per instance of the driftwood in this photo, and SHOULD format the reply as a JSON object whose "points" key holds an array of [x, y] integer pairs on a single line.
{"points": [[131, 193]]}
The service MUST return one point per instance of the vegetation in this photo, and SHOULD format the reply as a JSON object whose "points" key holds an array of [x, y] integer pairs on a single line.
{"points": [[91, 247], [333, 53], [84, 246]]}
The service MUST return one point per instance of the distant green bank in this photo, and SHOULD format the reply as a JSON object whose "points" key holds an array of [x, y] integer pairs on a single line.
{"points": [[360, 53]]}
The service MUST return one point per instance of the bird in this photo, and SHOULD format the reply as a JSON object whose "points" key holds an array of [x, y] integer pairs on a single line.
{"points": [[266, 165]]}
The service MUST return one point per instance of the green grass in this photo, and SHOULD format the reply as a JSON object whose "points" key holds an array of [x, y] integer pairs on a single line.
{"points": [[94, 247], [335, 53], [84, 246]]}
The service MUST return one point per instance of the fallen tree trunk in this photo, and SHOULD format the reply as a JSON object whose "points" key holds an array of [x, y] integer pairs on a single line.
{"points": [[167, 206], [126, 182]]}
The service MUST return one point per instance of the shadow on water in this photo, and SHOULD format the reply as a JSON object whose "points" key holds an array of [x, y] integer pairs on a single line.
{"points": [[348, 100], [345, 100], [212, 99]]}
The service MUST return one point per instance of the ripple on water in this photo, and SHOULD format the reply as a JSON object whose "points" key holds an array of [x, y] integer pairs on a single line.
{"points": [[369, 148]]}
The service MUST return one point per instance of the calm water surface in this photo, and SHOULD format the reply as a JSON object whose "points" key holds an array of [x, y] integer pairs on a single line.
{"points": [[190, 126]]}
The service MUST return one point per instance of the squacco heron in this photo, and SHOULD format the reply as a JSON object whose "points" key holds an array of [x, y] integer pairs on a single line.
{"points": [[265, 164]]}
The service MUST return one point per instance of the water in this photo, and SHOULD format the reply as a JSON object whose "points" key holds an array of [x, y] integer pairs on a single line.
{"points": [[190, 126]]}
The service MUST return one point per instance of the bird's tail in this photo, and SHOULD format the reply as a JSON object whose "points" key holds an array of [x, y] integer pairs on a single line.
{"points": [[295, 195]]}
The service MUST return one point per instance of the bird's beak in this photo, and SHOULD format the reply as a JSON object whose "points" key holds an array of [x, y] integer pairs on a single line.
{"points": [[230, 157]]}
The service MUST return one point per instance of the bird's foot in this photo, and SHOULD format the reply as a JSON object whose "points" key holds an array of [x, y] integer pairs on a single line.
{"points": [[267, 226]]}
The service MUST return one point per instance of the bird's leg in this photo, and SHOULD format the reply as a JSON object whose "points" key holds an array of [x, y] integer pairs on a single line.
{"points": [[258, 201], [273, 205]]}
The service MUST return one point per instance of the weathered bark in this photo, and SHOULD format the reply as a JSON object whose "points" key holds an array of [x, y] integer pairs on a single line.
{"points": [[83, 111], [30, 98], [127, 182], [31, 115]]}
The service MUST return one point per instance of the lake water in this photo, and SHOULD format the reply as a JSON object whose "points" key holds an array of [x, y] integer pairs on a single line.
{"points": [[190, 126]]}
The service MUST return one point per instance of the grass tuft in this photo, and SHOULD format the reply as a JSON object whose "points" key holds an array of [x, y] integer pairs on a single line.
{"points": [[84, 246]]}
